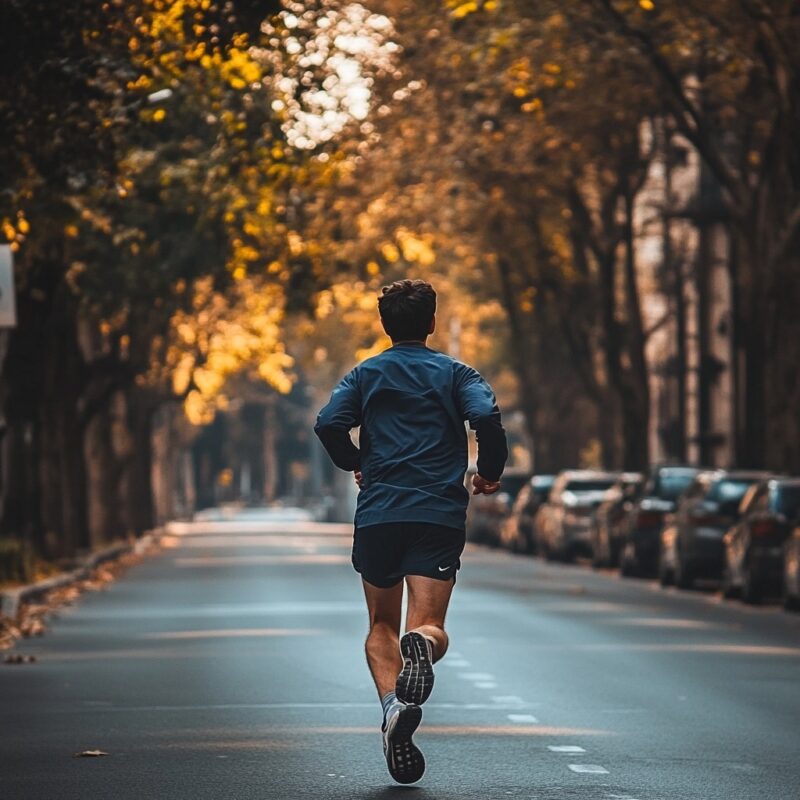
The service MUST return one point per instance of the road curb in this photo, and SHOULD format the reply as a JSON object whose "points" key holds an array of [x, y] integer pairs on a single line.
{"points": [[12, 600]]}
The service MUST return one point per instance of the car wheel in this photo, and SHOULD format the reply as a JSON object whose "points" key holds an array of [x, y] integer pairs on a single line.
{"points": [[665, 576], [627, 567], [684, 577], [791, 602], [751, 591], [729, 589], [599, 554]]}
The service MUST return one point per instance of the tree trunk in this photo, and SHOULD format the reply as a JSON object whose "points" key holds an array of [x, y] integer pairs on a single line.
{"points": [[782, 429], [139, 511], [105, 470], [637, 396], [753, 356], [167, 455], [528, 389], [681, 361], [62, 463], [20, 511], [269, 450]]}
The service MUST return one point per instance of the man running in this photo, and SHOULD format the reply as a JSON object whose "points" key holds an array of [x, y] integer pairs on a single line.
{"points": [[410, 403]]}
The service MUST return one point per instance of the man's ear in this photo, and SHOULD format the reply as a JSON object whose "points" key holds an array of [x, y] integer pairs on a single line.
{"points": [[433, 325]]}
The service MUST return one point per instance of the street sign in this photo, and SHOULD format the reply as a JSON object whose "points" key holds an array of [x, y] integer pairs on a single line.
{"points": [[8, 306]]}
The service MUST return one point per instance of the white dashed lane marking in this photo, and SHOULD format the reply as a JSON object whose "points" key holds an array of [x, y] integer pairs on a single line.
{"points": [[509, 699], [476, 676], [485, 680], [594, 769], [105, 708], [525, 719]]}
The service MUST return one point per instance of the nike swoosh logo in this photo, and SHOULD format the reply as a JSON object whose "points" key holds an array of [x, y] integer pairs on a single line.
{"points": [[444, 569]]}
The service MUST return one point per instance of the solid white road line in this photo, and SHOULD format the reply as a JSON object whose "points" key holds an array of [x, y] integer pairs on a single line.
{"points": [[594, 769], [485, 685], [528, 719], [565, 748], [476, 676]]}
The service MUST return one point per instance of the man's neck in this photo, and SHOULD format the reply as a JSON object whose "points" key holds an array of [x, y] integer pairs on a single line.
{"points": [[422, 342]]}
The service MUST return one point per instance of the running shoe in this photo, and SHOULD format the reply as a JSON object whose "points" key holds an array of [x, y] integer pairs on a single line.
{"points": [[403, 758], [415, 681]]}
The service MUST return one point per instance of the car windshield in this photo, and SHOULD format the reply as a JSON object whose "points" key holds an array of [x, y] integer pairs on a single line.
{"points": [[588, 485], [787, 501], [728, 490], [512, 484], [671, 483], [542, 486]]}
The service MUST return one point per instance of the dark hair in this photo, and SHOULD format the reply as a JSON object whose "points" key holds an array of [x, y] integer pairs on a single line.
{"points": [[407, 308]]}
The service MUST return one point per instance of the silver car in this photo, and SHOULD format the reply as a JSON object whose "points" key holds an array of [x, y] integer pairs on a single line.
{"points": [[565, 527]]}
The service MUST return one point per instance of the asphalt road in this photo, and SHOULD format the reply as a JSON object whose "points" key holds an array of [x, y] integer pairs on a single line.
{"points": [[230, 667]]}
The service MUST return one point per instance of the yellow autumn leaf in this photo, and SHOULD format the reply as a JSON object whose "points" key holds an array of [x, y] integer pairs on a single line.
{"points": [[390, 252], [459, 12]]}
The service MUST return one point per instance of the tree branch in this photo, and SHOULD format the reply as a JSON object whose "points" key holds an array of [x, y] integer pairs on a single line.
{"points": [[786, 237], [688, 117]]}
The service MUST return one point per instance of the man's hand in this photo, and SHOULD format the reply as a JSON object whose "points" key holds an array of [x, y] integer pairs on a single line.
{"points": [[359, 478], [482, 486]]}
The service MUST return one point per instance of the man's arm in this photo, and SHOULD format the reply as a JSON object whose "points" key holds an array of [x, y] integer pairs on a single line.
{"points": [[478, 405], [337, 419]]}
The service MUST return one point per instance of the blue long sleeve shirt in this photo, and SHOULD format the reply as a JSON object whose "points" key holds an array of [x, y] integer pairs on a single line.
{"points": [[411, 404]]}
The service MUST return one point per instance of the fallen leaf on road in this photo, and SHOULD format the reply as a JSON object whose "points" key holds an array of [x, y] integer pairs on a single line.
{"points": [[33, 616], [90, 753]]}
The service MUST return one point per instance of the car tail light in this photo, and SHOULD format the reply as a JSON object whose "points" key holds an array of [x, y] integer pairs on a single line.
{"points": [[648, 519], [763, 527]]}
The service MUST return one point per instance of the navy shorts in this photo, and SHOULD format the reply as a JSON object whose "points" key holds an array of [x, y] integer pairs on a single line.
{"points": [[384, 554]]}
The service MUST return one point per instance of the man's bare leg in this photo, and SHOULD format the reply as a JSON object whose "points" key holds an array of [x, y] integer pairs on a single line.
{"points": [[425, 640], [403, 758], [383, 640], [428, 600]]}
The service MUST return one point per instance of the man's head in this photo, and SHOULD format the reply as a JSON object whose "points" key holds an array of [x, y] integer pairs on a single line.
{"points": [[407, 310]]}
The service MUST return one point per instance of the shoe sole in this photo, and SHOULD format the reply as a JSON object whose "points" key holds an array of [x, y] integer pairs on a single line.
{"points": [[415, 681], [403, 758]]}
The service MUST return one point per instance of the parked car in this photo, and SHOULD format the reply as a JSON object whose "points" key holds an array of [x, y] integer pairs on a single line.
{"points": [[791, 571], [610, 515], [637, 536], [691, 546], [517, 533], [486, 513], [753, 547], [564, 526]]}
